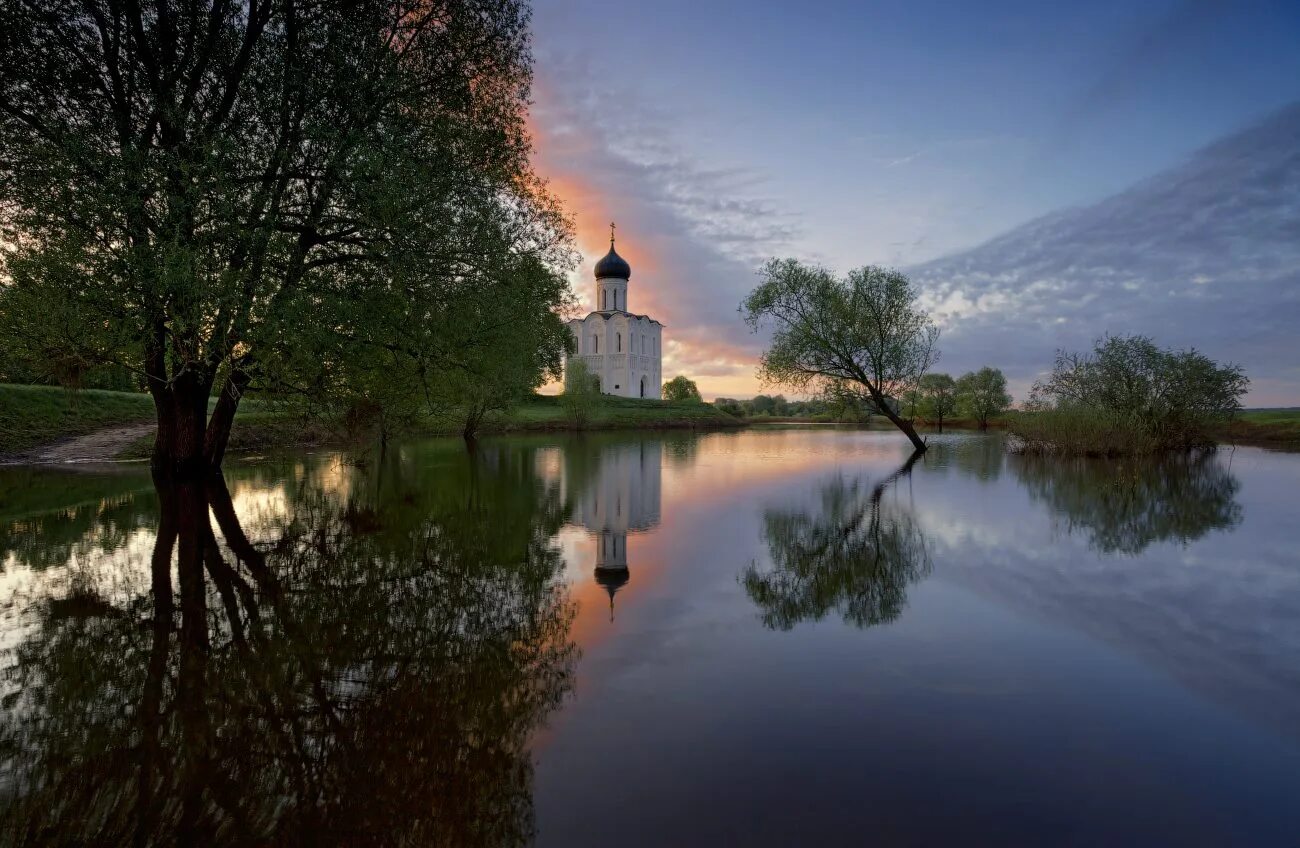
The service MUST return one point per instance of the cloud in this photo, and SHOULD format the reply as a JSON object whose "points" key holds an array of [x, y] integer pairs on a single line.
{"points": [[693, 234], [1206, 254]]}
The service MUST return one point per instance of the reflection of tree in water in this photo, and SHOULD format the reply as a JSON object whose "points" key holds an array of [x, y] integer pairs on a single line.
{"points": [[1124, 506], [856, 556], [981, 457], [368, 672]]}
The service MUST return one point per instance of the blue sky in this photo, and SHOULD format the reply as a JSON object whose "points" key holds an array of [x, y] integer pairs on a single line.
{"points": [[899, 133]]}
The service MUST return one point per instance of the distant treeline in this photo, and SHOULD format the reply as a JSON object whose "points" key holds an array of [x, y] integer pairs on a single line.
{"points": [[777, 406]]}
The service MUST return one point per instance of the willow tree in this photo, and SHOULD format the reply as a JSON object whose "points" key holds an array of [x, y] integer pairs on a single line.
{"points": [[861, 338], [226, 193]]}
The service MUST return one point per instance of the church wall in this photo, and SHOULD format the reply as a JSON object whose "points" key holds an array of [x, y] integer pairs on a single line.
{"points": [[619, 364]]}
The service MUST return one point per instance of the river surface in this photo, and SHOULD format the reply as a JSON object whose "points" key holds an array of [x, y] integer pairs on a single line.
{"points": [[784, 636]]}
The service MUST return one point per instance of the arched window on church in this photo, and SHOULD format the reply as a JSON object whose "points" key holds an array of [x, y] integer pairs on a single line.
{"points": [[595, 343], [618, 342], [604, 299]]}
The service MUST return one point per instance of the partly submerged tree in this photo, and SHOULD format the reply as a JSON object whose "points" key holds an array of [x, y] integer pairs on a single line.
{"points": [[1129, 396], [938, 397], [862, 335], [682, 388], [225, 195], [983, 395]]}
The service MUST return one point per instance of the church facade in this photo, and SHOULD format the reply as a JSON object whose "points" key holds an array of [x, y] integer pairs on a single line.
{"points": [[622, 349]]}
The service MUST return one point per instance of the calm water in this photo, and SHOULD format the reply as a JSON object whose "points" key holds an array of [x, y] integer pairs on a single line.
{"points": [[774, 637]]}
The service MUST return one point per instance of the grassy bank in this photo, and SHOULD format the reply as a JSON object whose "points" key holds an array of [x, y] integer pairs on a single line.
{"points": [[265, 430], [1271, 428], [1097, 433], [31, 416], [545, 412]]}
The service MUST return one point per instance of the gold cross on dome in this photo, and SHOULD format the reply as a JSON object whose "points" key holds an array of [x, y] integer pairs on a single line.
{"points": [[611, 233]]}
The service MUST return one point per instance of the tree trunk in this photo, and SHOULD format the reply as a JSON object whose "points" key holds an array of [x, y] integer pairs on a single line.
{"points": [[217, 434], [901, 423], [182, 408], [188, 444]]}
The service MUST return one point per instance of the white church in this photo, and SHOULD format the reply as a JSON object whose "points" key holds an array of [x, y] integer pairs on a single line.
{"points": [[623, 349]]}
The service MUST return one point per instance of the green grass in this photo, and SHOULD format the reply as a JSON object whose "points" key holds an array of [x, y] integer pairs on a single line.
{"points": [[31, 416], [36, 415], [1075, 432], [1100, 434], [1277, 428], [1283, 417], [546, 412]]}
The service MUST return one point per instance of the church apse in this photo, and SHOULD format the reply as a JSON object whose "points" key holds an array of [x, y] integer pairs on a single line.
{"points": [[623, 349]]}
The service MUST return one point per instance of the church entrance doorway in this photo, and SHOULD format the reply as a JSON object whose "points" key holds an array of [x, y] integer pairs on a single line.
{"points": [[643, 387]]}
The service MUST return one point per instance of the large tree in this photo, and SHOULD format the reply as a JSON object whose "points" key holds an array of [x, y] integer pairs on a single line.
{"points": [[862, 336], [938, 397], [221, 194], [983, 394], [682, 388]]}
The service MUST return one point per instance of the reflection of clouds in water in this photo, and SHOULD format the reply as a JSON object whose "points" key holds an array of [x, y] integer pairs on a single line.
{"points": [[1159, 576]]}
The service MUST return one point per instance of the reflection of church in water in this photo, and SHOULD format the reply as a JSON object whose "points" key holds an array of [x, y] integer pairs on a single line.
{"points": [[619, 496]]}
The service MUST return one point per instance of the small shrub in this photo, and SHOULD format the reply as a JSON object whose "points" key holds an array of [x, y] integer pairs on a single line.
{"points": [[581, 393]]}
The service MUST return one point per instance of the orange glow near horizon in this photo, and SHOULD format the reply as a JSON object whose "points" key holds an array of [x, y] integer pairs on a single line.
{"points": [[717, 366]]}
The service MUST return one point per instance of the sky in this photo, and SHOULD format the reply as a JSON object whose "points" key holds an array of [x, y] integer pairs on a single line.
{"points": [[1046, 173]]}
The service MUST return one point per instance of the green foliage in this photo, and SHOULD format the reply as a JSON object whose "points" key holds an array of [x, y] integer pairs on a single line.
{"points": [[1078, 431], [321, 196], [827, 408], [581, 392], [909, 403], [938, 397], [861, 336], [682, 388], [1129, 396], [608, 412], [982, 395]]}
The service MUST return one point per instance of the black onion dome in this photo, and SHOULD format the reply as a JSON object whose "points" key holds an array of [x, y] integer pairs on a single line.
{"points": [[613, 265]]}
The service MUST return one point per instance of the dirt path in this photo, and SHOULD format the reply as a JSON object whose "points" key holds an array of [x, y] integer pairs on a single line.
{"points": [[99, 446]]}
